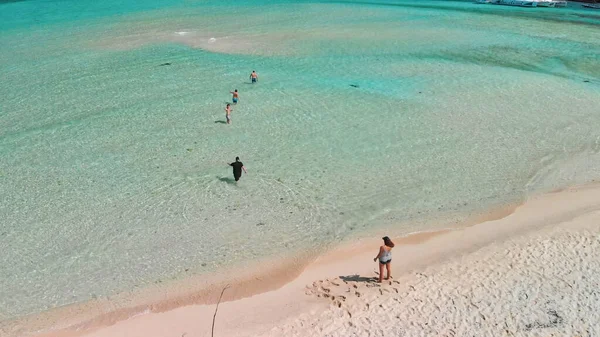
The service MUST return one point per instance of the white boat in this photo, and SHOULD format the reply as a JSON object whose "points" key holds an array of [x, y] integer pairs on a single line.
{"points": [[520, 3], [526, 3], [546, 4], [552, 3]]}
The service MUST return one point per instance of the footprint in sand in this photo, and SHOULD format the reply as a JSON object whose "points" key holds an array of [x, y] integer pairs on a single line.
{"points": [[357, 294], [381, 291]]}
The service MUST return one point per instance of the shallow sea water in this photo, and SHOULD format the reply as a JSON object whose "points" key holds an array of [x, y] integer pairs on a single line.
{"points": [[367, 115]]}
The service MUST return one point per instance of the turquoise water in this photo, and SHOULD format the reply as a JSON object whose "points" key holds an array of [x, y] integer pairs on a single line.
{"points": [[368, 117]]}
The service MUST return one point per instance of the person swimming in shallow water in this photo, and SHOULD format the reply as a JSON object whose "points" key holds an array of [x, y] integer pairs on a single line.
{"points": [[228, 113], [238, 166], [254, 76], [235, 97], [385, 258]]}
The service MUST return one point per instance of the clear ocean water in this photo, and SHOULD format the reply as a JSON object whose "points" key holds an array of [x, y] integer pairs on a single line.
{"points": [[368, 116]]}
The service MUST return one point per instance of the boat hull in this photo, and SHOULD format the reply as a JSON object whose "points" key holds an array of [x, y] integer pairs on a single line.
{"points": [[526, 3], [519, 3]]}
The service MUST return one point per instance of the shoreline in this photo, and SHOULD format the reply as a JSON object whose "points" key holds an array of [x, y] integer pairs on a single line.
{"points": [[77, 318], [287, 283]]}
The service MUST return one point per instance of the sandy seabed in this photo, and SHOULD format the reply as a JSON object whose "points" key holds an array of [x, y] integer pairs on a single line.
{"points": [[535, 272]]}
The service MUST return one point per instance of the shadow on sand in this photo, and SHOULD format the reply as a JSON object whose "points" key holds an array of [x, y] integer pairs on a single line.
{"points": [[358, 278], [228, 180], [220, 122]]}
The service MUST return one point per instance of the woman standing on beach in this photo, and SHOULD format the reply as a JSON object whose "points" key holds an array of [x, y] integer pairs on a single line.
{"points": [[385, 258]]}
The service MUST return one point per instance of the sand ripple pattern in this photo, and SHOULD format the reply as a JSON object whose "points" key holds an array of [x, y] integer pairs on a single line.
{"points": [[541, 285]]}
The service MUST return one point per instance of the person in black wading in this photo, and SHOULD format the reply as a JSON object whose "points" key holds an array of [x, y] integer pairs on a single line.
{"points": [[238, 166]]}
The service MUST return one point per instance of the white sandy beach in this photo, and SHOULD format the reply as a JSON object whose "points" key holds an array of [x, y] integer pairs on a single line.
{"points": [[532, 273]]}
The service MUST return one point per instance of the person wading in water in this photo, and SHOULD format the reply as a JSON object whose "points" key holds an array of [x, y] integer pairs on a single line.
{"points": [[254, 77], [228, 111], [238, 166]]}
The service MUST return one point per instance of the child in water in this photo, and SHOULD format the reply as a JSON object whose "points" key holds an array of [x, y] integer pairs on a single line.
{"points": [[228, 113]]}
